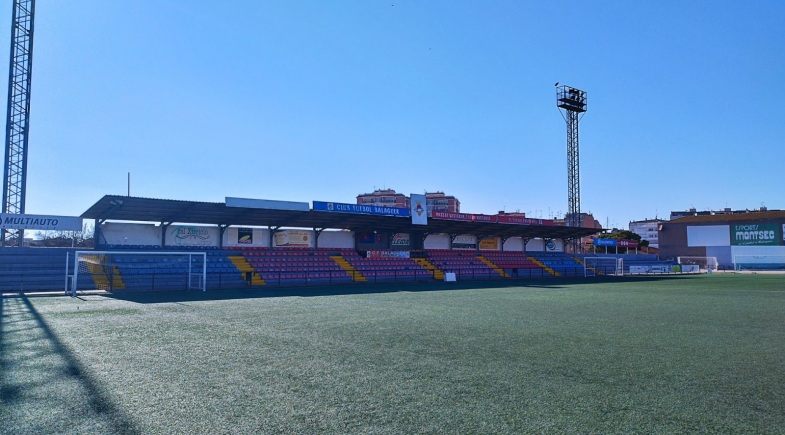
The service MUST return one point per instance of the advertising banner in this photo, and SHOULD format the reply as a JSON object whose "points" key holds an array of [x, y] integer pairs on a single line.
{"points": [[490, 243], [605, 242], [628, 243], [653, 269], [517, 220], [193, 236], [465, 241], [293, 238], [9, 221], [451, 216], [360, 208], [467, 217], [388, 254], [245, 236], [366, 237], [755, 235], [419, 209], [400, 239]]}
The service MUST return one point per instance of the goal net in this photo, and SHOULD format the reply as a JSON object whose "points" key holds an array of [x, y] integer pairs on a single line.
{"points": [[759, 262], [146, 271], [593, 266], [708, 264]]}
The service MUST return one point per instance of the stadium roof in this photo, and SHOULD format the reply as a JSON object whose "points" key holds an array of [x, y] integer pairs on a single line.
{"points": [[732, 217], [129, 208]]}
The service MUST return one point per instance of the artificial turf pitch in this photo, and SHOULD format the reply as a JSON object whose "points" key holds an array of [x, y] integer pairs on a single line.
{"points": [[678, 354]]}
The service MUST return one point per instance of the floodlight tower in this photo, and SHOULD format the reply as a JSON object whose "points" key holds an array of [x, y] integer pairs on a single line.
{"points": [[18, 114], [572, 105]]}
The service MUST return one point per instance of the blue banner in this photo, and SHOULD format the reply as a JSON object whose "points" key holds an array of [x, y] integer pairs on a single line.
{"points": [[360, 208], [605, 242]]}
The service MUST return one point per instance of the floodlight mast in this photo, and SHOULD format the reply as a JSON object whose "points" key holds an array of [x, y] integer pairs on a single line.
{"points": [[18, 115], [572, 105]]}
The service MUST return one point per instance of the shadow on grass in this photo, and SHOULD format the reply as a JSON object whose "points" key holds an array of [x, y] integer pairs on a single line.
{"points": [[358, 289], [43, 386]]}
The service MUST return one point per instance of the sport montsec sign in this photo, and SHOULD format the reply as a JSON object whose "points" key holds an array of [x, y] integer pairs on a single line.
{"points": [[755, 235], [11, 221]]}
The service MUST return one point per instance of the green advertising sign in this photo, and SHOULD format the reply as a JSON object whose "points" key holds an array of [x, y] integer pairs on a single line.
{"points": [[755, 235]]}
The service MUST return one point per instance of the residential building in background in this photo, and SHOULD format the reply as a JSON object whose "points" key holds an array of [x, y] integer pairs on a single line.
{"points": [[384, 198], [694, 212], [648, 229], [442, 202], [390, 198]]}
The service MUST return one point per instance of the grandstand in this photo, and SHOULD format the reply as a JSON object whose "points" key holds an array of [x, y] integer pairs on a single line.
{"points": [[43, 269], [276, 246]]}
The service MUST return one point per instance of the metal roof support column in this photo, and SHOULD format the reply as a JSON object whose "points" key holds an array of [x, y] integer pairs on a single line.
{"points": [[525, 242], [97, 233], [504, 240], [164, 226], [317, 232], [424, 236], [221, 230], [477, 244], [545, 244], [452, 239], [273, 230]]}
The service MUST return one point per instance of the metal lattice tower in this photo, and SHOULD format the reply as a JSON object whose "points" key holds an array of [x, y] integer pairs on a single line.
{"points": [[572, 105], [18, 114]]}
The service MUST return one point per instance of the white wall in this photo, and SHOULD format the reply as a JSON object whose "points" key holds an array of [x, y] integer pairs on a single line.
{"points": [[514, 244], [336, 239], [119, 233], [437, 241], [758, 250]]}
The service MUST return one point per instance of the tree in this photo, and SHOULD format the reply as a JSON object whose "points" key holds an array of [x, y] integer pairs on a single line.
{"points": [[622, 235], [625, 235]]}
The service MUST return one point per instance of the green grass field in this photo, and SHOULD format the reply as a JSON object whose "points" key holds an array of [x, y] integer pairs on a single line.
{"points": [[668, 355]]}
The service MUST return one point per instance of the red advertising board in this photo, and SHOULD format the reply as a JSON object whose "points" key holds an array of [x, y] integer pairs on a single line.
{"points": [[451, 216], [517, 220], [467, 217], [628, 243]]}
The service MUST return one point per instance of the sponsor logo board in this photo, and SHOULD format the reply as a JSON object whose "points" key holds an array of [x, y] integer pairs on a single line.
{"points": [[360, 209], [10, 221], [755, 235]]}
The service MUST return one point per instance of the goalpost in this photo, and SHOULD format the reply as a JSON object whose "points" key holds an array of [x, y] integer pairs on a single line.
{"points": [[120, 270], [759, 262], [709, 264], [593, 266]]}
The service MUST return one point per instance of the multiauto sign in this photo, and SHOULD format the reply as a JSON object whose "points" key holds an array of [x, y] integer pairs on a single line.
{"points": [[755, 235], [9, 221]]}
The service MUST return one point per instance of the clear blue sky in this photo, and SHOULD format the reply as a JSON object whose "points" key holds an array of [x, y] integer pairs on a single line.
{"points": [[324, 100]]}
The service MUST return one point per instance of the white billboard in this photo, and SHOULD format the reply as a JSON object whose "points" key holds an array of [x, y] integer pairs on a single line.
{"points": [[268, 204], [708, 235], [9, 221]]}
